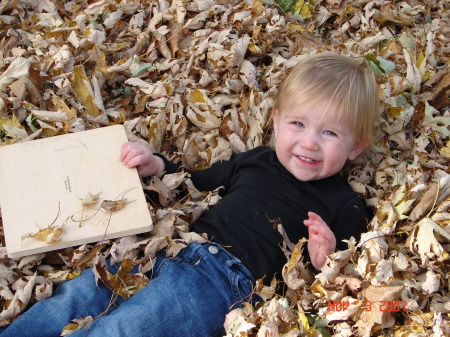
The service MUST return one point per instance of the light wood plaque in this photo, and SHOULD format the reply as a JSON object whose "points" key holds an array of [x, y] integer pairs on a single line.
{"points": [[45, 179]]}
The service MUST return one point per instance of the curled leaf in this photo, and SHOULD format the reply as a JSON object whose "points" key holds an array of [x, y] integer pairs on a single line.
{"points": [[115, 205], [90, 200]]}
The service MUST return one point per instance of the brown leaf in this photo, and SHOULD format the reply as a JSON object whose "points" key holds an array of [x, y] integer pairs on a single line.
{"points": [[86, 258], [113, 205], [375, 297], [164, 193], [122, 283], [79, 323], [49, 234], [295, 274], [389, 13], [426, 203]]}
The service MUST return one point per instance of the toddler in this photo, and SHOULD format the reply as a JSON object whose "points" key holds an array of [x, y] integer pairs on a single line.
{"points": [[323, 116]]}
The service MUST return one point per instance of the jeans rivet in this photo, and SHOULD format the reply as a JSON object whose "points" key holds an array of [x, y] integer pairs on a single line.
{"points": [[213, 249]]}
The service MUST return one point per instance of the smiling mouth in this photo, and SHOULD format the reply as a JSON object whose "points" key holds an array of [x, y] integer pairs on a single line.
{"points": [[308, 160]]}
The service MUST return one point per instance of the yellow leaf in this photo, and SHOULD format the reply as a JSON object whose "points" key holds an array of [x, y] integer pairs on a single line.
{"points": [[83, 92], [445, 151], [296, 254], [60, 105], [9, 141], [401, 204], [318, 289], [402, 208], [49, 234], [254, 48], [197, 96], [9, 121], [87, 32], [72, 275], [302, 10], [297, 28], [421, 63], [303, 321]]}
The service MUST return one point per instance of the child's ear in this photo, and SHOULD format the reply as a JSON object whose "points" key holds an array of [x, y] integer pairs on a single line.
{"points": [[358, 147]]}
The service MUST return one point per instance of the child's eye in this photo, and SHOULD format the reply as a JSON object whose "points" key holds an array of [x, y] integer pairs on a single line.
{"points": [[330, 133], [299, 124]]}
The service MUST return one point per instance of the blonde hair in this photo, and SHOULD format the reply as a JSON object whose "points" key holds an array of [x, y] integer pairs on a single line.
{"points": [[347, 84]]}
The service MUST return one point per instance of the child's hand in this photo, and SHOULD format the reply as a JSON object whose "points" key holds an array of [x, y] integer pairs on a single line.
{"points": [[139, 156], [321, 240]]}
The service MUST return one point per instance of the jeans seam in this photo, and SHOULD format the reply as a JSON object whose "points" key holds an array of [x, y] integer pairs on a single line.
{"points": [[234, 284], [160, 268], [167, 260], [194, 261]]}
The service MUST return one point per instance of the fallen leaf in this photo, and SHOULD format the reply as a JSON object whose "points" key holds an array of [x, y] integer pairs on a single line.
{"points": [[90, 199], [19, 67], [426, 203], [122, 283], [113, 205], [436, 123], [376, 315], [423, 240], [84, 91], [78, 324]]}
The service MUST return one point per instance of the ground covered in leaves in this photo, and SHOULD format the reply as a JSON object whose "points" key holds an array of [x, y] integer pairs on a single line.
{"points": [[196, 80]]}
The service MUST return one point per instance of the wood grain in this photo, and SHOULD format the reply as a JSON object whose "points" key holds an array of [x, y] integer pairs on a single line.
{"points": [[40, 177]]}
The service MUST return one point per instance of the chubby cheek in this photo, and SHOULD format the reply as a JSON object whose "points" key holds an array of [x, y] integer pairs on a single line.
{"points": [[283, 144], [335, 162]]}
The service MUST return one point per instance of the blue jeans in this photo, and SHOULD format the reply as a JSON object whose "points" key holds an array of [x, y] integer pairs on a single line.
{"points": [[188, 295]]}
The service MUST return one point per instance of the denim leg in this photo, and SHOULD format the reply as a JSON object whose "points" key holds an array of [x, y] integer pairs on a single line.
{"points": [[188, 296], [76, 298]]}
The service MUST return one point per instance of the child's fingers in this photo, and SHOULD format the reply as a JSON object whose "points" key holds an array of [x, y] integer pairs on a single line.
{"points": [[318, 239], [322, 231], [128, 151], [128, 156], [314, 216], [124, 149], [318, 234], [310, 222], [316, 230], [134, 154], [133, 148], [138, 160], [314, 219]]}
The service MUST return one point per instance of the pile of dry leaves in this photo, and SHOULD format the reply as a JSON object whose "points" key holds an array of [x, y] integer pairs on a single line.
{"points": [[196, 80]]}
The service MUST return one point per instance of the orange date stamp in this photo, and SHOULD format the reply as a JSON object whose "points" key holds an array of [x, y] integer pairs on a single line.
{"points": [[381, 305]]}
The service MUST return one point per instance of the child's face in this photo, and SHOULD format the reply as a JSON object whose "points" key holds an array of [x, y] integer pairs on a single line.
{"points": [[312, 146]]}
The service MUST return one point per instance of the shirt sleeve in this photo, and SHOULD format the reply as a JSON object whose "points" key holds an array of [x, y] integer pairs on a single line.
{"points": [[220, 174], [351, 220]]}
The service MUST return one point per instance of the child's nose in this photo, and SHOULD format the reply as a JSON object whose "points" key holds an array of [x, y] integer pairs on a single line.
{"points": [[309, 141]]}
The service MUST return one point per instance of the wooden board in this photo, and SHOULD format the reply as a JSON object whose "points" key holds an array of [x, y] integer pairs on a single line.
{"points": [[44, 180]]}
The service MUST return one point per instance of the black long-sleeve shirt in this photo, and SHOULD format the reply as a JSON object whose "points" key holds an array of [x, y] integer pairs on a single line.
{"points": [[258, 189]]}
